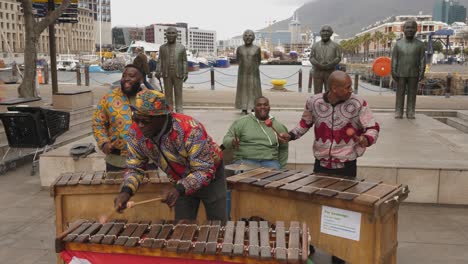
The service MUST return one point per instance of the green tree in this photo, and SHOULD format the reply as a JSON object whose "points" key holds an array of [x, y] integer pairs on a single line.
{"points": [[456, 51], [33, 29], [377, 38], [437, 46]]}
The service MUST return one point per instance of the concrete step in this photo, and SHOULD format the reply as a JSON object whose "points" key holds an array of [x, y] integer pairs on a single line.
{"points": [[463, 115], [458, 123]]}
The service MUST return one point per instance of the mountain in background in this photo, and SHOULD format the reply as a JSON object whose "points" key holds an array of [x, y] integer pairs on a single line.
{"points": [[347, 17]]}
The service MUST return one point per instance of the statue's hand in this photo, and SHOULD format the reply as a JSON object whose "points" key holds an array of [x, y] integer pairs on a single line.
{"points": [[394, 77]]}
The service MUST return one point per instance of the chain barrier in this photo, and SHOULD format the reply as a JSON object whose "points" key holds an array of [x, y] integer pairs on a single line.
{"points": [[199, 73], [227, 74], [292, 84], [198, 82], [376, 91], [98, 82], [225, 85], [279, 78]]}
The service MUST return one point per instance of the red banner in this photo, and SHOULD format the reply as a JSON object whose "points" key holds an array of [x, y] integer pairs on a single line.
{"points": [[84, 257]]}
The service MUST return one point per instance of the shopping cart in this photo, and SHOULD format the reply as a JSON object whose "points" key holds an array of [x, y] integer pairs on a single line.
{"points": [[31, 128]]}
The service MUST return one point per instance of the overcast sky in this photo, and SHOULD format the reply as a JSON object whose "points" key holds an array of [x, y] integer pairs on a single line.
{"points": [[227, 18]]}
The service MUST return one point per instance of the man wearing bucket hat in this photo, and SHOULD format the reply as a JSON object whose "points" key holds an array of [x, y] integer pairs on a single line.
{"points": [[181, 147]]}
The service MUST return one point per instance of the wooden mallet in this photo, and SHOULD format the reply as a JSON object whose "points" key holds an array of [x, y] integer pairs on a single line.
{"points": [[269, 123], [104, 218]]}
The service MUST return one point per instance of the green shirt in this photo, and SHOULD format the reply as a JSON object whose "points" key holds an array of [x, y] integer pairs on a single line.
{"points": [[257, 141]]}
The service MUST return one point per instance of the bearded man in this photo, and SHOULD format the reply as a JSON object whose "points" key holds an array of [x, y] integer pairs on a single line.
{"points": [[113, 117]]}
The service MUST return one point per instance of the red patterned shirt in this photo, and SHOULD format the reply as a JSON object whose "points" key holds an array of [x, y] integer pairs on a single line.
{"points": [[191, 152], [332, 146]]}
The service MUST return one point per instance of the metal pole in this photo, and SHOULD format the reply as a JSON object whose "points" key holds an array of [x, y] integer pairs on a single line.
{"points": [[309, 86], [380, 86], [212, 78], [86, 72], [449, 85], [78, 75], [52, 51], [100, 30], [356, 83], [299, 83]]}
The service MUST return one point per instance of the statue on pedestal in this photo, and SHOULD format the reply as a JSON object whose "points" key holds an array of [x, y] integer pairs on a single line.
{"points": [[408, 66], [324, 56]]}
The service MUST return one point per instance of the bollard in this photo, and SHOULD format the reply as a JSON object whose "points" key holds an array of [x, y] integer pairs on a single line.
{"points": [[78, 75], [449, 85], [309, 86], [356, 83], [299, 83], [46, 73], [212, 78], [86, 73]]}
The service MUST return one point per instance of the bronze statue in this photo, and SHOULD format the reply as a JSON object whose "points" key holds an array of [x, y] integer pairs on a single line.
{"points": [[172, 66], [408, 66], [324, 56], [248, 78]]}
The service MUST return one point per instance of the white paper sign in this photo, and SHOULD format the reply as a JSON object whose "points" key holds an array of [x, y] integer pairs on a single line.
{"points": [[342, 223]]}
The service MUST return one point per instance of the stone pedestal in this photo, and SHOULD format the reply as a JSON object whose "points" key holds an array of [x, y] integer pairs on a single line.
{"points": [[72, 100], [58, 161]]}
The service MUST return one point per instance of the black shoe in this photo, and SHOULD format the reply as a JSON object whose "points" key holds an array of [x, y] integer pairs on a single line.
{"points": [[337, 260], [311, 250], [244, 111]]}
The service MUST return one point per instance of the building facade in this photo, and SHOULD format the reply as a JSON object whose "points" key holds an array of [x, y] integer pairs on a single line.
{"points": [[123, 36], [202, 41], [156, 33], [70, 38], [395, 24], [449, 11], [102, 20]]}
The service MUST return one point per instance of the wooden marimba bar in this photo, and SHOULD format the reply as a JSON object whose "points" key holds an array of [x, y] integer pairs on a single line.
{"points": [[355, 220], [240, 242]]}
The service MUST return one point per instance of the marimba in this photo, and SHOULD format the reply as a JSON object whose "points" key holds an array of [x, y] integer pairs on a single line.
{"points": [[236, 242], [355, 220], [89, 195]]}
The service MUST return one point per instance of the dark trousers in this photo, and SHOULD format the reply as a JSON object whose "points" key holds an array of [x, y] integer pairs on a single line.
{"points": [[349, 170], [213, 197], [173, 92], [407, 85], [321, 81]]}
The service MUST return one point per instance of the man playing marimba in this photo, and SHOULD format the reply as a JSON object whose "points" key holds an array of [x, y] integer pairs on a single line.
{"points": [[344, 128], [181, 147]]}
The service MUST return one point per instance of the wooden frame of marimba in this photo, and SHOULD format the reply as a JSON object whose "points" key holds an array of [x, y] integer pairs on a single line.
{"points": [[288, 195], [89, 195]]}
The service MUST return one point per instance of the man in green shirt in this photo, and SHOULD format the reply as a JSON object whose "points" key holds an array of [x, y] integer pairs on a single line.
{"points": [[254, 142]]}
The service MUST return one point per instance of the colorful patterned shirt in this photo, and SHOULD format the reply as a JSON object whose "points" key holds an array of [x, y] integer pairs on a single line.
{"points": [[332, 145], [112, 120], [192, 154]]}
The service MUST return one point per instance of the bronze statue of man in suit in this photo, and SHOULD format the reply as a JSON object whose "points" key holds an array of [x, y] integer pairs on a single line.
{"points": [[324, 56], [408, 66], [172, 66]]}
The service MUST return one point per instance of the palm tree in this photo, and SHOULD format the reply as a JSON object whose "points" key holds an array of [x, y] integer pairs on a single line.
{"points": [[384, 42], [390, 37], [366, 40], [376, 38]]}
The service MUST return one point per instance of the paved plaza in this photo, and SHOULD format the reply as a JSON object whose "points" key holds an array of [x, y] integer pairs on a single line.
{"points": [[427, 233]]}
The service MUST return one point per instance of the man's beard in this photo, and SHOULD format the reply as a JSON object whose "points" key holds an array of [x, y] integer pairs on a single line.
{"points": [[135, 89]]}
